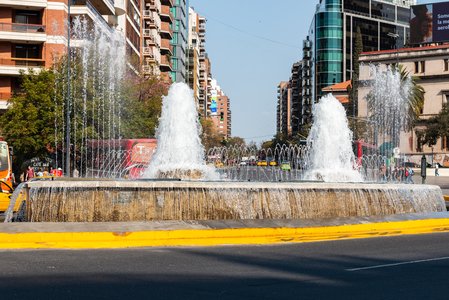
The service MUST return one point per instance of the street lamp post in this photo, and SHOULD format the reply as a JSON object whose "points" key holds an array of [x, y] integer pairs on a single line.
{"points": [[68, 103], [395, 36]]}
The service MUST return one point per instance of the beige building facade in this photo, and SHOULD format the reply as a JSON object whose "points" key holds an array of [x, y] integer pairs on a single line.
{"points": [[430, 67]]}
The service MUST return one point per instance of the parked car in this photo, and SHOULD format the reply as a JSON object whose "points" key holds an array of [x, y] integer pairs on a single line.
{"points": [[285, 166], [262, 163]]}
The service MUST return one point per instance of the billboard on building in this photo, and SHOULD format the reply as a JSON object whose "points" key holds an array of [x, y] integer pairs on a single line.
{"points": [[429, 23], [213, 104]]}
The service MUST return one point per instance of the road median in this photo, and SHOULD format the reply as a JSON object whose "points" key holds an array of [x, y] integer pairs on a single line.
{"points": [[89, 236]]}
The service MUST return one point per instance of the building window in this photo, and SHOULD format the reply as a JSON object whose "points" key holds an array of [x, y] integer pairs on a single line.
{"points": [[423, 66], [446, 65], [416, 66], [27, 17], [27, 51]]}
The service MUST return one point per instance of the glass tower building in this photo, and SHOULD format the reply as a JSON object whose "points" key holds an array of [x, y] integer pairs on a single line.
{"points": [[329, 47], [179, 41]]}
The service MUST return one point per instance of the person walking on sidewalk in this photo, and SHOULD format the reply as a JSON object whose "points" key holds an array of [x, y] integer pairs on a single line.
{"points": [[437, 170]]}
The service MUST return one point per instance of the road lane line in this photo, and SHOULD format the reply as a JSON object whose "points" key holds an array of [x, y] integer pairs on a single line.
{"points": [[398, 264]]}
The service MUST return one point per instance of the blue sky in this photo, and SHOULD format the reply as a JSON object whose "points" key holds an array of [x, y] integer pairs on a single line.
{"points": [[252, 45]]}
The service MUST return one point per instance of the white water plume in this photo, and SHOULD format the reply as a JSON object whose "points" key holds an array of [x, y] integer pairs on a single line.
{"points": [[331, 158], [179, 150]]}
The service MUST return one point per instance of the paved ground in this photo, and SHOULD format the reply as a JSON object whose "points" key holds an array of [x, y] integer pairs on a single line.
{"points": [[404, 267]]}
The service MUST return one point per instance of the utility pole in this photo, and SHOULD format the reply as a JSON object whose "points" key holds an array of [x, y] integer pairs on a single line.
{"points": [[68, 102]]}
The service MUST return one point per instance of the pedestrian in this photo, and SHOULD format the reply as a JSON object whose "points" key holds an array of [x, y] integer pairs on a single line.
{"points": [[76, 173], [29, 173], [59, 172], [436, 170], [409, 175]]}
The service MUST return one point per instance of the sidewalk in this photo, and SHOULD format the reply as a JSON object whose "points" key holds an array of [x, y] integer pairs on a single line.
{"points": [[442, 181]]}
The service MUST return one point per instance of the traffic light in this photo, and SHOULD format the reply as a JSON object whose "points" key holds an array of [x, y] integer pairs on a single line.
{"points": [[221, 116]]}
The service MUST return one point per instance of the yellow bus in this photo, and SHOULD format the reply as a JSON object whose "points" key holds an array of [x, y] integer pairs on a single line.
{"points": [[6, 176]]}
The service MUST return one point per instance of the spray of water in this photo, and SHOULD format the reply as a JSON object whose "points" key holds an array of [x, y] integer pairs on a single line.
{"points": [[179, 153], [388, 104], [331, 158]]}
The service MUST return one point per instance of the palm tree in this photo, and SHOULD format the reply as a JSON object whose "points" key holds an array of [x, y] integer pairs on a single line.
{"points": [[416, 95]]}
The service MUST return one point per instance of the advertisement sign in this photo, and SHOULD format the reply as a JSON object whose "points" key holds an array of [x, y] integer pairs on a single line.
{"points": [[213, 102], [429, 23]]}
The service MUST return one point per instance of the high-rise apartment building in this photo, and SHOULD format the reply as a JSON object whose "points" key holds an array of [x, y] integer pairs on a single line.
{"points": [[33, 34], [220, 110], [193, 54], [199, 74], [289, 106], [283, 115], [130, 23], [157, 33], [179, 41], [329, 46]]}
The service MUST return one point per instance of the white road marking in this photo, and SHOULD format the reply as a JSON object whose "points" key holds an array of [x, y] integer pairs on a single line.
{"points": [[398, 264]]}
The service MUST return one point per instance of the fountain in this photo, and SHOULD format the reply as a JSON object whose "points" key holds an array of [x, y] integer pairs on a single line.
{"points": [[180, 153], [86, 200], [331, 157]]}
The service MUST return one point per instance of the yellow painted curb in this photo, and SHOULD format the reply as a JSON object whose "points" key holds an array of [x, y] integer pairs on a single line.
{"points": [[446, 197], [215, 237]]}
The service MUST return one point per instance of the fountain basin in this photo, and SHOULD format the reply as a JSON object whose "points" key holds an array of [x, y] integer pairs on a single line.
{"points": [[112, 200]]}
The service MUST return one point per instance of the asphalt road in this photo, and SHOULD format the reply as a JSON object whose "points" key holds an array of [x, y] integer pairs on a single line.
{"points": [[405, 267]]}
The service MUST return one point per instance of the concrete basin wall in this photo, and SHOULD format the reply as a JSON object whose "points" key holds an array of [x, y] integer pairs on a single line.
{"points": [[100, 201]]}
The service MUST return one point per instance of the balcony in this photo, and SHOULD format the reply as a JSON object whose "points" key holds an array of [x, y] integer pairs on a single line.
{"points": [[166, 13], [104, 7], [87, 8], [165, 63], [13, 66], [16, 32], [119, 6], [5, 96], [166, 46], [24, 3], [167, 2], [165, 29], [151, 5]]}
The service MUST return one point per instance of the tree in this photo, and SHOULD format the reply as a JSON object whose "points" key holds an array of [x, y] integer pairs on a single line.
{"points": [[437, 127], [29, 123], [416, 96], [143, 98], [354, 86], [235, 141], [209, 136]]}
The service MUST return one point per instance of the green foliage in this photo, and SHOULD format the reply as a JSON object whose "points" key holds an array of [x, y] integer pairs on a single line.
{"points": [[235, 141], [29, 123], [143, 98], [34, 122], [437, 127], [209, 136]]}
